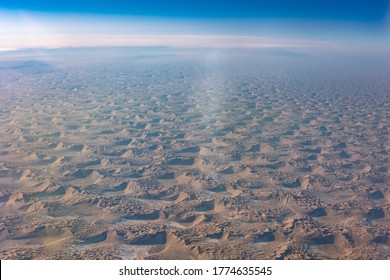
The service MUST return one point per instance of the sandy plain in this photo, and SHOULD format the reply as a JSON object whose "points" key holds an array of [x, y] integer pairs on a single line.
{"points": [[173, 158]]}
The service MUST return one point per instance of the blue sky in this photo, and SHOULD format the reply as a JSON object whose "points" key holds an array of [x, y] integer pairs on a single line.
{"points": [[291, 22], [354, 10]]}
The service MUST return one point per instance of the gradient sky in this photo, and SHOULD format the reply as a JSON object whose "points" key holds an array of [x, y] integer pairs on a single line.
{"points": [[356, 10], [227, 23]]}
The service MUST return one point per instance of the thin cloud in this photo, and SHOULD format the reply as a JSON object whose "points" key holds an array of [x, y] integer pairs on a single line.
{"points": [[35, 30], [20, 41]]}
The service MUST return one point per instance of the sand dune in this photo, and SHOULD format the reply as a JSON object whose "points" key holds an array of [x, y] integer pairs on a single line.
{"points": [[186, 160]]}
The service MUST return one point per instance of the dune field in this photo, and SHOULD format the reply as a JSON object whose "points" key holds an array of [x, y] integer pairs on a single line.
{"points": [[258, 156]]}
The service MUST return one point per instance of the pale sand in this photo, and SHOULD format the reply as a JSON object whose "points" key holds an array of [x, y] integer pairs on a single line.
{"points": [[178, 159]]}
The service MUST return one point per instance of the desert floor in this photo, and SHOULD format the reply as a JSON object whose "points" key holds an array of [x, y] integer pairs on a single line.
{"points": [[176, 158]]}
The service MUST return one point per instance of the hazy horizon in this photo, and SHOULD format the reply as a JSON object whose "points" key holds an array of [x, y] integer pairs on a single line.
{"points": [[336, 25]]}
